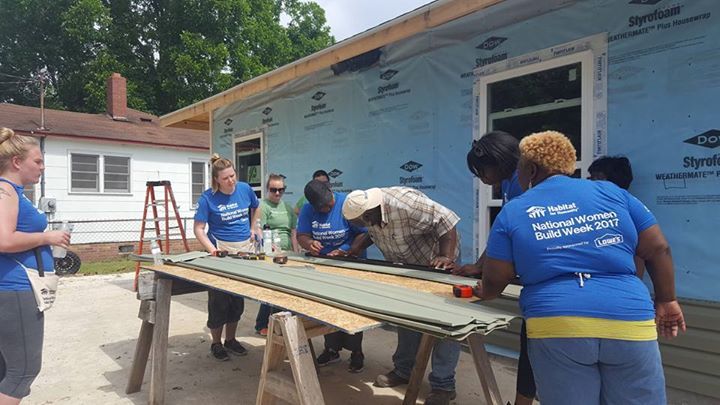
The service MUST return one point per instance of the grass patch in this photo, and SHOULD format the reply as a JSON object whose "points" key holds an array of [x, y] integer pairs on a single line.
{"points": [[107, 267]]}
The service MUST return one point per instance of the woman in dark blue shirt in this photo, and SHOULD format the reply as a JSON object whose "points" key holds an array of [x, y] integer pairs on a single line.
{"points": [[22, 240]]}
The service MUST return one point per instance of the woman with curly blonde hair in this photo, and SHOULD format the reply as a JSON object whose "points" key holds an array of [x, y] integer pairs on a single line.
{"points": [[592, 329]]}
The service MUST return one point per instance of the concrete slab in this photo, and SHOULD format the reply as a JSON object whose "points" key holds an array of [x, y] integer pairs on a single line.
{"points": [[90, 337]]}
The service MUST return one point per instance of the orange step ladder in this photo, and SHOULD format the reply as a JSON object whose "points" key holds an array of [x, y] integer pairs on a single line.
{"points": [[152, 202]]}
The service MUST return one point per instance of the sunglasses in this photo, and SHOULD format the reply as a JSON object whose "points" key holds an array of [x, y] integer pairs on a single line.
{"points": [[277, 190]]}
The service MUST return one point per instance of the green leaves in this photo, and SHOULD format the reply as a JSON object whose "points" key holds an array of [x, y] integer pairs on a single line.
{"points": [[173, 52]]}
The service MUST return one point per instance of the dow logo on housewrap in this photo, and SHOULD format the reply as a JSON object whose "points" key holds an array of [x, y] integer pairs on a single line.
{"points": [[414, 180], [267, 111], [319, 108], [645, 2], [491, 43], [268, 119], [709, 139], [334, 182], [389, 89], [229, 129], [388, 74]]}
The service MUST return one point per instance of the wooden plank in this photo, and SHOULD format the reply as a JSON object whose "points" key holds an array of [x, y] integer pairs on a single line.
{"points": [[484, 370], [395, 30], [140, 358], [146, 286], [347, 321], [158, 372], [421, 360], [301, 361]]}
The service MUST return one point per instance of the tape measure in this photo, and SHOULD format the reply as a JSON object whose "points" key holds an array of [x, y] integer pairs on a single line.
{"points": [[462, 291]]}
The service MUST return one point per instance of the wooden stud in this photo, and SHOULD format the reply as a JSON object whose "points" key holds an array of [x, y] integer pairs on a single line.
{"points": [[147, 311], [158, 372], [142, 351], [427, 343], [484, 369]]}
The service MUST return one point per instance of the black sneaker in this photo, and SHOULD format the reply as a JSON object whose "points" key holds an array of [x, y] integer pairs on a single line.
{"points": [[440, 397], [389, 380], [328, 356], [218, 351], [234, 347], [357, 360]]}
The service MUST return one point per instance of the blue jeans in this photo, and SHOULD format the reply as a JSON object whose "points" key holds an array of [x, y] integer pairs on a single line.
{"points": [[445, 356], [263, 316], [597, 371]]}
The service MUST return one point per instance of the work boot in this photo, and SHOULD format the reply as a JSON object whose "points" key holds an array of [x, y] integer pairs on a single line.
{"points": [[389, 380], [218, 352], [328, 356], [357, 360], [234, 347], [440, 397]]}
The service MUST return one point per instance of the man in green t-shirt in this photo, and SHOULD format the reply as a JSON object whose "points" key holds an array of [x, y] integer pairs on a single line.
{"points": [[320, 175]]}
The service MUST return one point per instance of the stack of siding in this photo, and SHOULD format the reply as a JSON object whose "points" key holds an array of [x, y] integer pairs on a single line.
{"points": [[400, 306]]}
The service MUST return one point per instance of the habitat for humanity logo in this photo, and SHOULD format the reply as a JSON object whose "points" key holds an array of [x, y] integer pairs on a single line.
{"points": [[709, 139], [320, 108], [608, 239], [411, 166], [535, 212]]}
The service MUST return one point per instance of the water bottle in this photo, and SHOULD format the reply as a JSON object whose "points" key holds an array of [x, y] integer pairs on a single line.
{"points": [[156, 254], [267, 239], [57, 251], [277, 241]]}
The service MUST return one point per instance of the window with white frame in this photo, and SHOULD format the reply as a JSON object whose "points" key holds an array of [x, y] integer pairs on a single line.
{"points": [[198, 174], [99, 173]]}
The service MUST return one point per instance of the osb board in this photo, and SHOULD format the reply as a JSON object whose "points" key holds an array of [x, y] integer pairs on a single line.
{"points": [[345, 320], [439, 289]]}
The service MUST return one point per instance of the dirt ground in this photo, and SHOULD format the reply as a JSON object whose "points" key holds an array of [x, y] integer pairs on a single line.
{"points": [[90, 337]]}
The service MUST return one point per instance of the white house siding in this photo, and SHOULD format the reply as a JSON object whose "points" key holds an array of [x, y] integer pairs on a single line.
{"points": [[147, 163]]}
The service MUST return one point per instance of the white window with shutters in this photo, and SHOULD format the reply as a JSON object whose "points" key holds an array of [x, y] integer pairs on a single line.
{"points": [[99, 173]]}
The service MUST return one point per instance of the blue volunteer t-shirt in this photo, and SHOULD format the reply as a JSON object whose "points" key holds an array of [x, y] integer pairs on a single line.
{"points": [[510, 188], [227, 216], [331, 229], [30, 219], [565, 226]]}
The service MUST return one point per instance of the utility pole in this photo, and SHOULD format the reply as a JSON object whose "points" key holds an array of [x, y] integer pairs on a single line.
{"points": [[42, 101]]}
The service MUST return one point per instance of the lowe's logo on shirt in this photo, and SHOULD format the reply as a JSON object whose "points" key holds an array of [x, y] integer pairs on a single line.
{"points": [[608, 239], [535, 212]]}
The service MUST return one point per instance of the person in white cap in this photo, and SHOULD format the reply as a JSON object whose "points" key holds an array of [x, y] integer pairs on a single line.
{"points": [[408, 227]]}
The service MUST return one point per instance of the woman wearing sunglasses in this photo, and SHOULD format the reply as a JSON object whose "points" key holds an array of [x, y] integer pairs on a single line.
{"points": [[280, 217]]}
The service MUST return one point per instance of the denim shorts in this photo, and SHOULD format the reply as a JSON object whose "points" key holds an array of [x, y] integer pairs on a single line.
{"points": [[597, 371]]}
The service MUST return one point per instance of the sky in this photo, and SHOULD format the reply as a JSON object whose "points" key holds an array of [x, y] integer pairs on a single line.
{"points": [[349, 17]]}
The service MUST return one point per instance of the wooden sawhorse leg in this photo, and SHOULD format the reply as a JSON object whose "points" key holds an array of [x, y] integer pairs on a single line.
{"points": [[421, 361], [482, 366], [158, 371], [484, 370], [142, 352], [289, 337]]}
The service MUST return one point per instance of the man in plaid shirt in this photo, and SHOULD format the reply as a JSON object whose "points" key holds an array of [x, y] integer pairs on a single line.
{"points": [[408, 227]]}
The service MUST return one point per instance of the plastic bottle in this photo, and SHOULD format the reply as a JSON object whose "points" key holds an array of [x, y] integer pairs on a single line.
{"points": [[267, 239], [57, 251], [276, 241], [156, 253]]}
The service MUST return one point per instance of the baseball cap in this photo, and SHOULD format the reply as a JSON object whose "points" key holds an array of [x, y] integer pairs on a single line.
{"points": [[359, 201], [318, 194]]}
